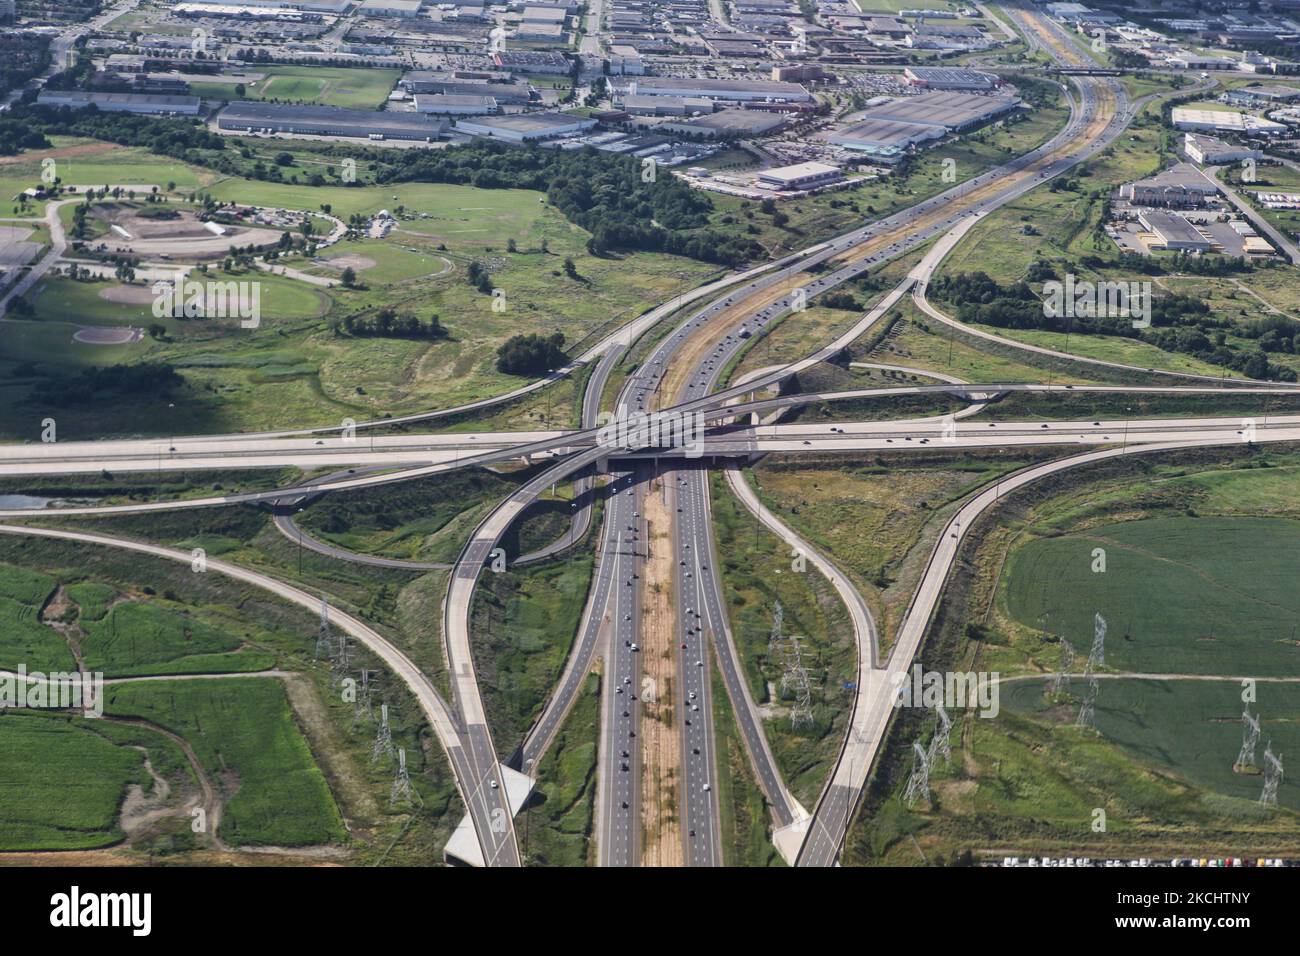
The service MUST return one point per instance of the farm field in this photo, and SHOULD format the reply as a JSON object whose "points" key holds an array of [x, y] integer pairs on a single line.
{"points": [[244, 730], [1191, 728], [1181, 595]]}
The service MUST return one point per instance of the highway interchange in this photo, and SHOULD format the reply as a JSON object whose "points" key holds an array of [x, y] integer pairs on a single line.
{"points": [[681, 373]]}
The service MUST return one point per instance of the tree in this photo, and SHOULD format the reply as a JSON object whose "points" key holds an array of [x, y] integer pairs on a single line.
{"points": [[348, 278], [532, 354]]}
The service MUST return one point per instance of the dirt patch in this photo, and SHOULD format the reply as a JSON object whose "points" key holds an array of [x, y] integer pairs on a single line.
{"points": [[94, 335], [84, 149], [349, 261], [128, 294], [660, 739]]}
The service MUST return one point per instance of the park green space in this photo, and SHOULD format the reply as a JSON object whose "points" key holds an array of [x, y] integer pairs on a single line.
{"points": [[561, 813]]}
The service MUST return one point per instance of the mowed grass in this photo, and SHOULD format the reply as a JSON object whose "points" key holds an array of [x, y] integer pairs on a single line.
{"points": [[321, 85], [1180, 595], [244, 734], [62, 784], [1193, 728]]}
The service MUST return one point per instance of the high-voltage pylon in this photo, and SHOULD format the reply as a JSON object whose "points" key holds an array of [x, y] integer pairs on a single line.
{"points": [[1061, 682], [1249, 740], [1272, 776], [795, 681], [383, 737], [403, 792], [918, 785], [1097, 657], [341, 659], [1088, 709], [323, 648], [939, 744], [778, 630]]}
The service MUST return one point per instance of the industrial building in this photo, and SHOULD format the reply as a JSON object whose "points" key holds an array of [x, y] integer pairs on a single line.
{"points": [[952, 111], [525, 127], [639, 105], [258, 117], [948, 78], [728, 124], [885, 141], [738, 90], [390, 8], [532, 61], [1182, 186], [149, 103], [455, 104], [1211, 151], [506, 94], [1224, 121], [1169, 231], [800, 176]]}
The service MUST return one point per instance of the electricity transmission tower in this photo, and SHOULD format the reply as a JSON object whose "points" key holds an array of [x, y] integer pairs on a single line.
{"points": [[1061, 682], [1096, 657], [918, 785], [1272, 776], [939, 745], [402, 792], [778, 626], [323, 632], [795, 681], [1249, 740], [383, 737]]}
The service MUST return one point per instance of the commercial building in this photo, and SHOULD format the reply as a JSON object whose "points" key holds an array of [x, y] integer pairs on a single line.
{"points": [[800, 176], [1224, 121], [728, 124], [1182, 186], [256, 117], [738, 90], [390, 8], [525, 127], [952, 111], [885, 141], [1167, 230], [1211, 151], [946, 78], [148, 103], [455, 104]]}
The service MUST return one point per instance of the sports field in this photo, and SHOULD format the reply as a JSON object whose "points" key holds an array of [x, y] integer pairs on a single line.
{"points": [[364, 89]]}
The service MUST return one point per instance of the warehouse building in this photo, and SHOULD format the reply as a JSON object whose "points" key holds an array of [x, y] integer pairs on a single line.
{"points": [[951, 111], [455, 104], [1211, 151], [739, 90], [1224, 121], [525, 127], [390, 8], [1169, 231], [532, 61], [148, 103], [946, 78], [728, 124], [885, 141], [1182, 186], [639, 105], [800, 176], [258, 117]]}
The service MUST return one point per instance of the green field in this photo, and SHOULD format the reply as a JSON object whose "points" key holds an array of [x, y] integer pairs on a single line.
{"points": [[62, 783], [559, 824], [244, 734], [137, 638], [1181, 595], [757, 573], [1192, 728], [365, 89]]}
